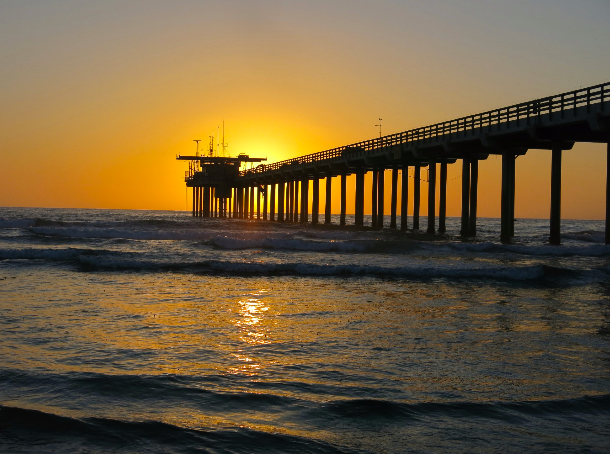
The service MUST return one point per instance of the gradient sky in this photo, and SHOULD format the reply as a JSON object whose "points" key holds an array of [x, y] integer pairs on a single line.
{"points": [[97, 97]]}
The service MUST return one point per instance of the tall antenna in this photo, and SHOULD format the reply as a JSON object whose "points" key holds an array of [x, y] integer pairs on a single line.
{"points": [[224, 145], [211, 145], [379, 125]]}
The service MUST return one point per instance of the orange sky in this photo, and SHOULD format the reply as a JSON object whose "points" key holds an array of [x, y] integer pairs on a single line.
{"points": [[98, 97]]}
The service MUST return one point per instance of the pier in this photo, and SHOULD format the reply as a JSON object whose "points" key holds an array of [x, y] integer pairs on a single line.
{"points": [[280, 191]]}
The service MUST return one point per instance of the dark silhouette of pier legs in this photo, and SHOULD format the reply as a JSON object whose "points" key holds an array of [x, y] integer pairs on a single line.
{"points": [[289, 201], [265, 201], [272, 202], [374, 199], [394, 200], [295, 202], [380, 194], [242, 202], [442, 203], [404, 198], [315, 202], [508, 199], [251, 198], [235, 212], [465, 196], [258, 202], [304, 200], [281, 188], [416, 195], [359, 202], [327, 207], [343, 198], [194, 200], [607, 236], [432, 197], [555, 237], [474, 182]]}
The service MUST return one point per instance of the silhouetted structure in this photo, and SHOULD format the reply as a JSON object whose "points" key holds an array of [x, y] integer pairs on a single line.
{"points": [[553, 123]]}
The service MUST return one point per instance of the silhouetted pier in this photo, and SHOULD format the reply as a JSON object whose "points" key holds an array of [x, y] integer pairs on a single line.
{"points": [[280, 191]]}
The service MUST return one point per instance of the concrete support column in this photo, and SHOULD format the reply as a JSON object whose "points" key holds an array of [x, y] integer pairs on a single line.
{"points": [[359, 203], [265, 201], [304, 200], [416, 195], [315, 202], [247, 202], [251, 202], [506, 197], [512, 196], [394, 201], [327, 207], [608, 194], [432, 197], [281, 188], [343, 198], [295, 202], [555, 237], [258, 202], [288, 202], [474, 183], [465, 196], [194, 200], [381, 197], [404, 198], [442, 203], [374, 198], [272, 202]]}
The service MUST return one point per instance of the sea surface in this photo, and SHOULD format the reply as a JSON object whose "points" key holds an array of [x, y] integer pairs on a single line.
{"points": [[155, 332]]}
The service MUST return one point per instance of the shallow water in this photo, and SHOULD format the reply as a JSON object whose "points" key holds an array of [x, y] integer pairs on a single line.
{"points": [[139, 331]]}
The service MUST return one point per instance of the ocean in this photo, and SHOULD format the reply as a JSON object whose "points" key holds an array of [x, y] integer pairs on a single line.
{"points": [[125, 331]]}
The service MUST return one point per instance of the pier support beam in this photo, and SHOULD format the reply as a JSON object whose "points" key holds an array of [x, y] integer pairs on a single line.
{"points": [[258, 202], [404, 198], [374, 198], [343, 198], [265, 201], [432, 197], [394, 200], [304, 200], [251, 202], [555, 237], [474, 183], [315, 201], [442, 203], [416, 195], [327, 207], [194, 199], [289, 199], [272, 202], [508, 200], [295, 202], [380, 203], [359, 202], [281, 188], [608, 194], [464, 230]]}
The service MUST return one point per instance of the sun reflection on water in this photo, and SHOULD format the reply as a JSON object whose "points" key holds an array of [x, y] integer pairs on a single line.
{"points": [[252, 322]]}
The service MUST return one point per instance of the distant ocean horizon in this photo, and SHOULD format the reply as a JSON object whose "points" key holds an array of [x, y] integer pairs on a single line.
{"points": [[148, 331]]}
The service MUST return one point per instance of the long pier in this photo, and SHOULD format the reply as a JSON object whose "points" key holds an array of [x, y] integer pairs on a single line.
{"points": [[281, 189]]}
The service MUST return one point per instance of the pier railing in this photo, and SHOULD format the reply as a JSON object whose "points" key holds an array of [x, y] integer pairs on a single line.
{"points": [[528, 113]]}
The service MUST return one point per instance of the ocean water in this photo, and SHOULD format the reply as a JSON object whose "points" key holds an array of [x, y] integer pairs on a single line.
{"points": [[154, 332]]}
